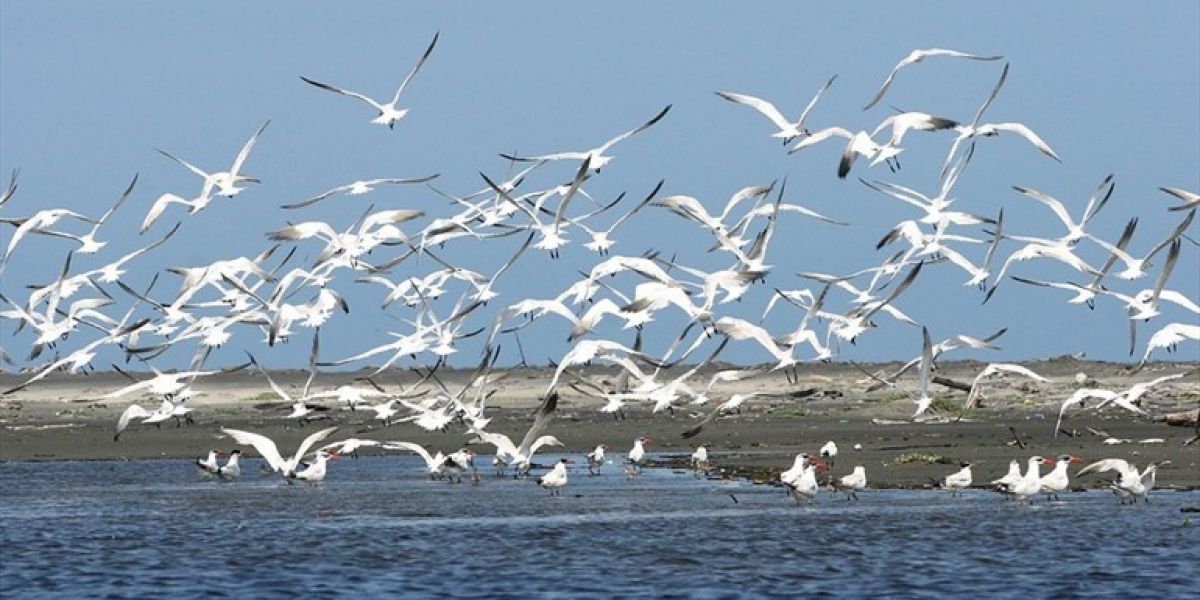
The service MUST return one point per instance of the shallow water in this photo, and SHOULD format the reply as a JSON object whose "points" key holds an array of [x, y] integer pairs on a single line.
{"points": [[377, 526]]}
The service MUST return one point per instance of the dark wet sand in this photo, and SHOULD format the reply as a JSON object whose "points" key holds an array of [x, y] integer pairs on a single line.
{"points": [[68, 423]]}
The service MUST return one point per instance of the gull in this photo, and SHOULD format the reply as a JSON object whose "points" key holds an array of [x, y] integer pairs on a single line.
{"points": [[520, 455], [801, 479], [556, 479], [359, 187], [850, 484], [1057, 480], [996, 369], [1131, 483], [1080, 397], [270, 452], [388, 113], [1190, 199], [959, 480], [87, 242], [857, 144], [787, 130], [595, 459], [917, 56], [596, 158], [225, 182]]}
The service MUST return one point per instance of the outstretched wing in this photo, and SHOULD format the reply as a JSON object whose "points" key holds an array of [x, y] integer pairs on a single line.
{"points": [[262, 444]]}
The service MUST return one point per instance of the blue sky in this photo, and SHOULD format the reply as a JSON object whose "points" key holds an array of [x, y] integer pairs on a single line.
{"points": [[88, 91]]}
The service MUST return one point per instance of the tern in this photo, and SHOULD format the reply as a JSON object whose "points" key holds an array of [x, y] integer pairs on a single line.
{"points": [[1056, 480], [596, 157], [1131, 484], [388, 113], [957, 481], [270, 452], [801, 479], [787, 130], [225, 183], [850, 484], [595, 459], [1190, 199], [359, 187], [556, 479], [917, 56]]}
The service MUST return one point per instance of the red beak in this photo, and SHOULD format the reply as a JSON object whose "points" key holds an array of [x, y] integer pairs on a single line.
{"points": [[1076, 459]]}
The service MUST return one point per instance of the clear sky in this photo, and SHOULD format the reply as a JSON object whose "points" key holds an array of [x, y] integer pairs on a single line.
{"points": [[89, 90]]}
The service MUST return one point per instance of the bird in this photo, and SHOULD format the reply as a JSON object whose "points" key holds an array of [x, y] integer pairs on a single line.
{"points": [[595, 459], [699, 459], [231, 469], [1029, 485], [224, 183], [801, 479], [435, 464], [787, 130], [957, 481], [270, 452], [209, 463], [1010, 478], [1057, 480], [391, 112], [850, 484], [1190, 199], [637, 454], [917, 56], [358, 188], [1131, 484], [315, 472], [1079, 397], [828, 452], [996, 369], [596, 157], [556, 479], [520, 456]]}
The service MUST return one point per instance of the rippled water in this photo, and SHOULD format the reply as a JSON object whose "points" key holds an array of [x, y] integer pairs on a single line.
{"points": [[378, 527]]}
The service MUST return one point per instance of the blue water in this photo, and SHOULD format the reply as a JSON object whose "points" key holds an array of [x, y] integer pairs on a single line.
{"points": [[378, 527]]}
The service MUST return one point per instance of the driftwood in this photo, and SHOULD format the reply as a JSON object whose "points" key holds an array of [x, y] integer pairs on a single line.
{"points": [[951, 383], [1187, 418]]}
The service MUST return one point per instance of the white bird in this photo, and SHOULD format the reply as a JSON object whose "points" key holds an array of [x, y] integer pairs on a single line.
{"points": [[595, 459], [637, 454], [829, 451], [917, 56], [1168, 337], [358, 188], [231, 469], [556, 479], [391, 112], [856, 481], [224, 182], [1131, 484], [699, 460], [315, 473], [435, 464], [1080, 397], [904, 122], [959, 480], [996, 369], [520, 456], [801, 479], [1011, 478], [1030, 484], [1190, 199], [857, 144], [39, 221], [87, 242], [1057, 480], [270, 452], [209, 463], [596, 158], [787, 129]]}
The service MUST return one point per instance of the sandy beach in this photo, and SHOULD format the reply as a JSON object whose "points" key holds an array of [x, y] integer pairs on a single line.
{"points": [[66, 418]]}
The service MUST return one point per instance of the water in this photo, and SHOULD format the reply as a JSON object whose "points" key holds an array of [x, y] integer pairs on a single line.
{"points": [[378, 527]]}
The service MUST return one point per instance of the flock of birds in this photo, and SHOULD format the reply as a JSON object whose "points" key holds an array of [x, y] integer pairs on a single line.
{"points": [[260, 296]]}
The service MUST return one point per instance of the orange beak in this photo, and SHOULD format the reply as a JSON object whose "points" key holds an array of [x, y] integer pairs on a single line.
{"points": [[1048, 460], [1076, 459]]}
